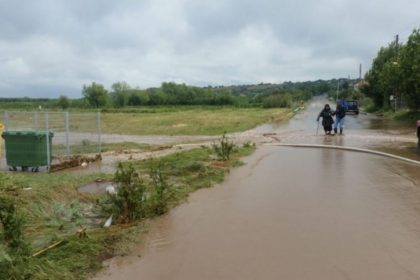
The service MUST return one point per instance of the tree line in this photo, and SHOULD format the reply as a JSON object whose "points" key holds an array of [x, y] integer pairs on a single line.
{"points": [[121, 94], [394, 78], [169, 93]]}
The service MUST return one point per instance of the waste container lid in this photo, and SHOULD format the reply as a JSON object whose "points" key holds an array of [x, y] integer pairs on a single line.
{"points": [[26, 133]]}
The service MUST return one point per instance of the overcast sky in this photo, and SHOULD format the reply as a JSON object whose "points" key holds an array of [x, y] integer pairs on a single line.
{"points": [[53, 47]]}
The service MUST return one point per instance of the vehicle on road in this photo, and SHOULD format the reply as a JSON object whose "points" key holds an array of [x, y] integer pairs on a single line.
{"points": [[353, 106]]}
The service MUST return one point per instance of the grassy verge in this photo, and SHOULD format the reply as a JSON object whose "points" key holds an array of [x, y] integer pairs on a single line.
{"points": [[405, 116], [54, 210]]}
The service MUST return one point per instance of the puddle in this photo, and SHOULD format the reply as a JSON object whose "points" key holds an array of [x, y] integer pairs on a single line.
{"points": [[96, 187]]}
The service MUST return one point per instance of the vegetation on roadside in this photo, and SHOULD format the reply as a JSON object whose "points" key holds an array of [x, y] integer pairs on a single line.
{"points": [[224, 148], [394, 78], [48, 209]]}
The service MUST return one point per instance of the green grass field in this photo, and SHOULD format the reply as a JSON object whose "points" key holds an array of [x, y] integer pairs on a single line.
{"points": [[192, 121], [181, 120]]}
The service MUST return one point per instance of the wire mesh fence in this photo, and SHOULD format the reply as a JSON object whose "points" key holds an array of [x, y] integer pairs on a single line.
{"points": [[72, 134]]}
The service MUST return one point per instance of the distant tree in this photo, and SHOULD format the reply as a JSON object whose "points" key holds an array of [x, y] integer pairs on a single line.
{"points": [[120, 94], [157, 96], [383, 78], [277, 101], [410, 70], [223, 96], [95, 94], [63, 102], [138, 97], [120, 86]]}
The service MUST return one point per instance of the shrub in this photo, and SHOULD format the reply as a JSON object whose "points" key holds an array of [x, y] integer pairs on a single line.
{"points": [[224, 148], [127, 204], [15, 253], [160, 192]]}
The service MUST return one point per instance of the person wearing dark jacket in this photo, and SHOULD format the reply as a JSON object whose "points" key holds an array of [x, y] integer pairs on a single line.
{"points": [[340, 113], [327, 119]]}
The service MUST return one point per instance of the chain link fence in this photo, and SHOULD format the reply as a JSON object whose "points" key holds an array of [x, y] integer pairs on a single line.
{"points": [[73, 133]]}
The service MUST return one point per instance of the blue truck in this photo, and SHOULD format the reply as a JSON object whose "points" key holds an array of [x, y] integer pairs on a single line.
{"points": [[352, 106]]}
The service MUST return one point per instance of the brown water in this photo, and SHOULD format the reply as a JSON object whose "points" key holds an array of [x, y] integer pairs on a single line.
{"points": [[96, 187], [362, 131], [291, 213]]}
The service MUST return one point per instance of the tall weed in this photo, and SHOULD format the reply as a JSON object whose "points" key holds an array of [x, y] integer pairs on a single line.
{"points": [[224, 148], [160, 191], [128, 204]]}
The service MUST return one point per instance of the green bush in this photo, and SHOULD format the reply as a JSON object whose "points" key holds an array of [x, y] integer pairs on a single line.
{"points": [[15, 253], [158, 201], [128, 203], [224, 148]]}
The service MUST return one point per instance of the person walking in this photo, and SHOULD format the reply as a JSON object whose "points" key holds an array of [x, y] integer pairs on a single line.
{"points": [[340, 114], [327, 119]]}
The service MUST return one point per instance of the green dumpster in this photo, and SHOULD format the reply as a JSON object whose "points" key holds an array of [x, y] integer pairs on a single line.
{"points": [[27, 149]]}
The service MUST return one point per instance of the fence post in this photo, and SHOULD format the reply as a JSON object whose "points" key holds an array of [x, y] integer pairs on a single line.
{"points": [[98, 125], [6, 121], [48, 141], [6, 126], [66, 119], [36, 120]]}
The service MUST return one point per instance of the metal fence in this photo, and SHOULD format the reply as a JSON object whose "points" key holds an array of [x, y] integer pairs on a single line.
{"points": [[74, 133]]}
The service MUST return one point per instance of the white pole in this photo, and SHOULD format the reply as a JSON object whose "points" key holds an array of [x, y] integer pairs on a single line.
{"points": [[36, 120], [98, 124], [6, 121], [47, 134], [338, 88], [66, 118]]}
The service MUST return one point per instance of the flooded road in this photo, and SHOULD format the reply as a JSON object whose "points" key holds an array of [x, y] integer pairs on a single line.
{"points": [[294, 213], [361, 131], [291, 213]]}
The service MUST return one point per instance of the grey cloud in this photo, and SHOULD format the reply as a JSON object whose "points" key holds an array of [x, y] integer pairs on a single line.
{"points": [[52, 47]]}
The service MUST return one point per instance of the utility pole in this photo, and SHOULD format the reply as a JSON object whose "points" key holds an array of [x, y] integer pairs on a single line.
{"points": [[338, 88], [395, 87], [360, 71]]}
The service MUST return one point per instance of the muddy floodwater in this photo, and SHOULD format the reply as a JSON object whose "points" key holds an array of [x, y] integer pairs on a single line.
{"points": [[290, 213]]}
